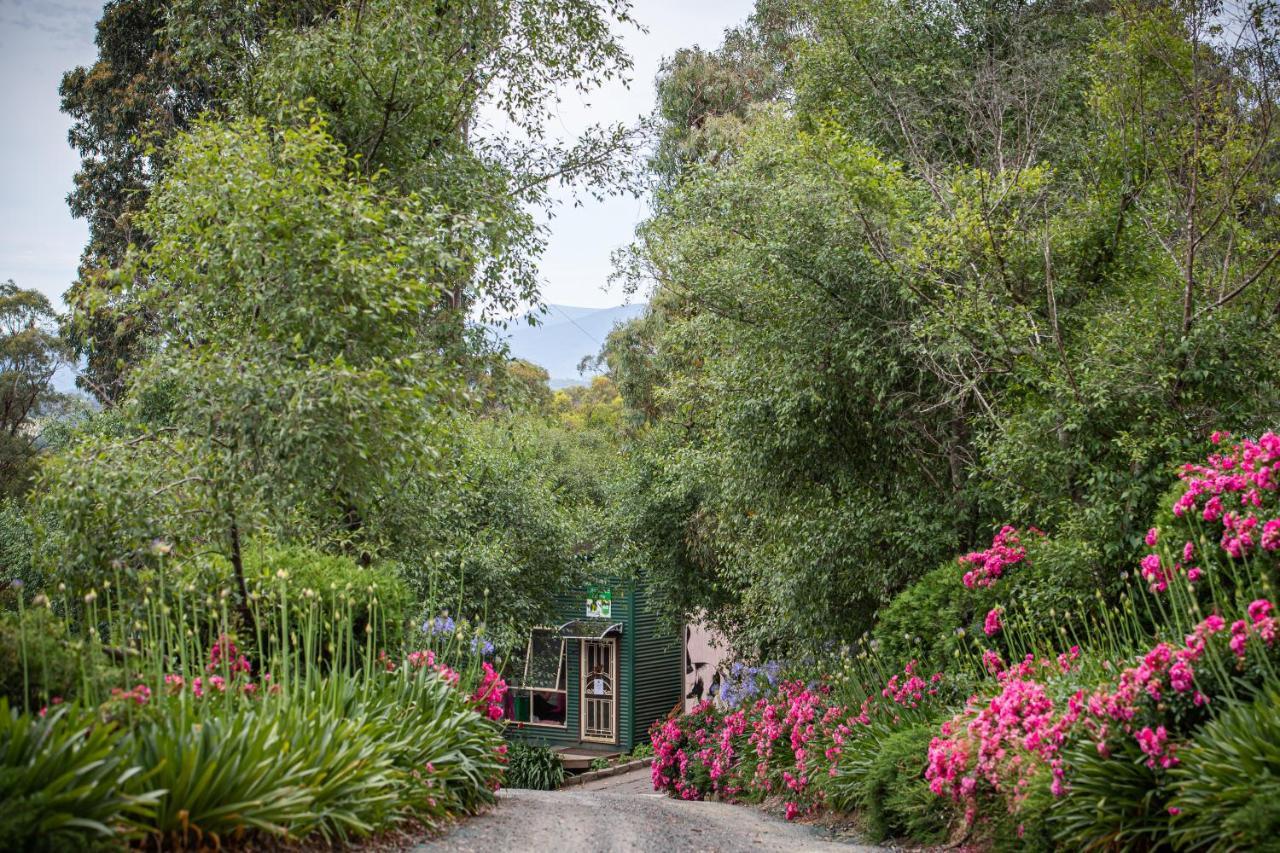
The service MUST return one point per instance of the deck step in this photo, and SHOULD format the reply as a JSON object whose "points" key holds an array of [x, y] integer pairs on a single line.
{"points": [[578, 758]]}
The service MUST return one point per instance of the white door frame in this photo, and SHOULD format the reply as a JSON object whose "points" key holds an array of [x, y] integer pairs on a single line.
{"points": [[583, 697]]}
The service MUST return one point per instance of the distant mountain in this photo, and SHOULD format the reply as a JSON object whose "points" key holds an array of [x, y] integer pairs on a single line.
{"points": [[564, 335]]}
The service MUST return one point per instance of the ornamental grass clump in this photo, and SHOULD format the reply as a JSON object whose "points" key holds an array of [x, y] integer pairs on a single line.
{"points": [[536, 767]]}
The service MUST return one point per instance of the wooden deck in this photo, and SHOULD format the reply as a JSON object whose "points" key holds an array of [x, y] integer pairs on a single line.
{"points": [[580, 757]]}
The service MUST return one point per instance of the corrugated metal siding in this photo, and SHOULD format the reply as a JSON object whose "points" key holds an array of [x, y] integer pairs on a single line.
{"points": [[659, 668]]}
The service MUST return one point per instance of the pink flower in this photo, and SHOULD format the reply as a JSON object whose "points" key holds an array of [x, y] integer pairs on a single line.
{"points": [[490, 693], [991, 662], [1213, 509], [1154, 743], [992, 625], [1006, 550], [1153, 572], [1271, 535], [1153, 535]]}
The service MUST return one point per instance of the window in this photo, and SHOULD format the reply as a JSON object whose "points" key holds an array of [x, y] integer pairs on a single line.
{"points": [[540, 697]]}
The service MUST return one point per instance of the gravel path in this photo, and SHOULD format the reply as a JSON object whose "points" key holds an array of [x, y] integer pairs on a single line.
{"points": [[625, 815]]}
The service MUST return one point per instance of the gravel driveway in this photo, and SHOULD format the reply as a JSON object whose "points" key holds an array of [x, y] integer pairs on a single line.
{"points": [[624, 816]]}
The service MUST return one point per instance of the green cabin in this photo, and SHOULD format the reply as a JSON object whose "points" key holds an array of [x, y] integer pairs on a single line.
{"points": [[595, 681]]}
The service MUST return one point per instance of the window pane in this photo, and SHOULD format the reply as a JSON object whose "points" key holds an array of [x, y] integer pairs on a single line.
{"points": [[548, 707], [546, 662]]}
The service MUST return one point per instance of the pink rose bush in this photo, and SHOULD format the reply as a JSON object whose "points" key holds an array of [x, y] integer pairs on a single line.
{"points": [[1028, 724], [998, 746], [785, 744]]}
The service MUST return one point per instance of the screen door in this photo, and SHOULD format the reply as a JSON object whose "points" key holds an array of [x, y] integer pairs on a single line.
{"points": [[599, 696]]}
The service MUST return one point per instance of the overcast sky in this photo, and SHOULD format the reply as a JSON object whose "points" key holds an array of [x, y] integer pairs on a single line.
{"points": [[40, 243]]}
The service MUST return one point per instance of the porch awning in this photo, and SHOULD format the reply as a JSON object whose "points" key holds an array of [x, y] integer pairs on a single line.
{"points": [[589, 629]]}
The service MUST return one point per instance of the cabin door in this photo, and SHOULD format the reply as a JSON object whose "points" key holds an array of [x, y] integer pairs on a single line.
{"points": [[599, 690]]}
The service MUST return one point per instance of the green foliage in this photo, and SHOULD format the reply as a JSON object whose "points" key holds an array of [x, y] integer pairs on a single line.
{"points": [[309, 339], [223, 776], [1058, 577], [534, 766], [882, 774], [1115, 802], [1030, 827], [339, 584], [16, 543], [66, 780], [1227, 784], [398, 81], [228, 750], [898, 305], [31, 351], [339, 763], [56, 664], [503, 524]]}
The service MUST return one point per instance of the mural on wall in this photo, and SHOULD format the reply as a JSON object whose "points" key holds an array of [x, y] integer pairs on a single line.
{"points": [[706, 660]]}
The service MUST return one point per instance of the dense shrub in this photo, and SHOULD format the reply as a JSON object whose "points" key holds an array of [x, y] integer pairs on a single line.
{"points": [[533, 766], [339, 763], [202, 762], [375, 595], [807, 743], [16, 540], [1051, 577], [1111, 731], [249, 743]]}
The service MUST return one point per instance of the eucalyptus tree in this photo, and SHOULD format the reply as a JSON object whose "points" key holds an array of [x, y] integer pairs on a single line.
{"points": [[286, 380]]}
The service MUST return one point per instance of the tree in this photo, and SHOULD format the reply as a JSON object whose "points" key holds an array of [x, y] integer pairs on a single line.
{"points": [[287, 382], [125, 108], [31, 352], [939, 285]]}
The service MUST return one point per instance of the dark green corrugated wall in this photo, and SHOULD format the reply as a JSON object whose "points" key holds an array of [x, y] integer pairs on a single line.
{"points": [[659, 670]]}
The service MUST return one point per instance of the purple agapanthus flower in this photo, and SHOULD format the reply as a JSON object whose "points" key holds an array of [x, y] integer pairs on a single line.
{"points": [[439, 626]]}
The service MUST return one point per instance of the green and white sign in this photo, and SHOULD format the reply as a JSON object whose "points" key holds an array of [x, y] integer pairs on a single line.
{"points": [[599, 602]]}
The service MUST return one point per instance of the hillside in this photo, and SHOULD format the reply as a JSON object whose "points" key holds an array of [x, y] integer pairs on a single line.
{"points": [[564, 335]]}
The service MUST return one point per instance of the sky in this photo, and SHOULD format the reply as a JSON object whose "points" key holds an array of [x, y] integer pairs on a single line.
{"points": [[40, 242]]}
